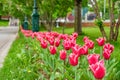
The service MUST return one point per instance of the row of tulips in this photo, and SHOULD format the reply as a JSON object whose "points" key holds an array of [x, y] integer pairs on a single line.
{"points": [[52, 40]]}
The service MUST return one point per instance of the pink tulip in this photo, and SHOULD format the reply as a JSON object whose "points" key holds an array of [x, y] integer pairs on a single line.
{"points": [[106, 54], [100, 41], [67, 44], [93, 58], [108, 46], [73, 42], [98, 69], [75, 49], [51, 41], [75, 35], [85, 39], [33, 36], [27, 35], [39, 38], [63, 54], [90, 44], [73, 59], [57, 42], [44, 44], [52, 50], [83, 50]]}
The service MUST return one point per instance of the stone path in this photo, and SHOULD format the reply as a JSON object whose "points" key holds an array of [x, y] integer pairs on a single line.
{"points": [[7, 36]]}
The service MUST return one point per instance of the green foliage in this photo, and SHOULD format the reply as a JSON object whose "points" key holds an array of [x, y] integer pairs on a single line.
{"points": [[99, 22]]}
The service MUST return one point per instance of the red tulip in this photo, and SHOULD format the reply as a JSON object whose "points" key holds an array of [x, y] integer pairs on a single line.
{"points": [[27, 34], [57, 42], [75, 35], [73, 59], [67, 44], [100, 41], [51, 41], [83, 50], [90, 44], [44, 44], [52, 50], [39, 38], [64, 36], [73, 42], [56, 34], [98, 69], [93, 58], [106, 54], [108, 46], [63, 54], [85, 39], [35, 34], [75, 49]]}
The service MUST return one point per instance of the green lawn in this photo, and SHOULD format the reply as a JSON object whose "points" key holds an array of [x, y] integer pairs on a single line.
{"points": [[24, 59], [4, 23]]}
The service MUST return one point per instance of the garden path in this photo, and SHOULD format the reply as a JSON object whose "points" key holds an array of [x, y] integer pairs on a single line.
{"points": [[7, 36]]}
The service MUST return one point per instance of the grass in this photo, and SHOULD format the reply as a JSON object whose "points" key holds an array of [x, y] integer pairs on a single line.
{"points": [[22, 61], [4, 23]]}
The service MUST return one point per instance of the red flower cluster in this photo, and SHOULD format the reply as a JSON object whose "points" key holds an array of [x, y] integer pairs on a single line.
{"points": [[107, 50], [53, 40], [100, 41], [98, 69]]}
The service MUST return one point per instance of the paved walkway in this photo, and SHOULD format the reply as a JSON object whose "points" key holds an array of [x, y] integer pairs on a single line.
{"points": [[7, 36]]}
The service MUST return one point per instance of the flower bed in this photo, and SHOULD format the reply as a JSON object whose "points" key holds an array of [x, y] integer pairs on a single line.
{"points": [[63, 58]]}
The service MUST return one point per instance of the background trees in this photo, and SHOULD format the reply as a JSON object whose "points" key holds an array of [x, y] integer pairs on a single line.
{"points": [[114, 25], [51, 10]]}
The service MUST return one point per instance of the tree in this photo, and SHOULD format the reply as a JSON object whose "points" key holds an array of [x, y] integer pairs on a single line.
{"points": [[78, 19], [53, 9], [99, 21], [113, 24], [1, 7], [78, 25]]}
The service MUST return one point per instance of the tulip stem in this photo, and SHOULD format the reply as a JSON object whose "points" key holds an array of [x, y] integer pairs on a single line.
{"points": [[53, 61], [75, 72], [101, 52], [63, 68]]}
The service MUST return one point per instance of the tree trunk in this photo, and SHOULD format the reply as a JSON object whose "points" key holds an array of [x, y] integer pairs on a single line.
{"points": [[63, 29], [117, 29], [112, 21], [50, 23], [75, 23], [0, 17], [96, 9], [78, 22]]}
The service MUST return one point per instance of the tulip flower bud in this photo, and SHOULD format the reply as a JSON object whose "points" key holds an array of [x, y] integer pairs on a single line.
{"points": [[85, 39], [90, 44], [93, 58], [100, 41], [106, 54], [63, 54], [57, 42], [73, 59], [98, 69], [44, 44], [52, 50]]}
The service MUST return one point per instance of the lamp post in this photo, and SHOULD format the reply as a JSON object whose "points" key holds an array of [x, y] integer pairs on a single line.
{"points": [[35, 18], [25, 23]]}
